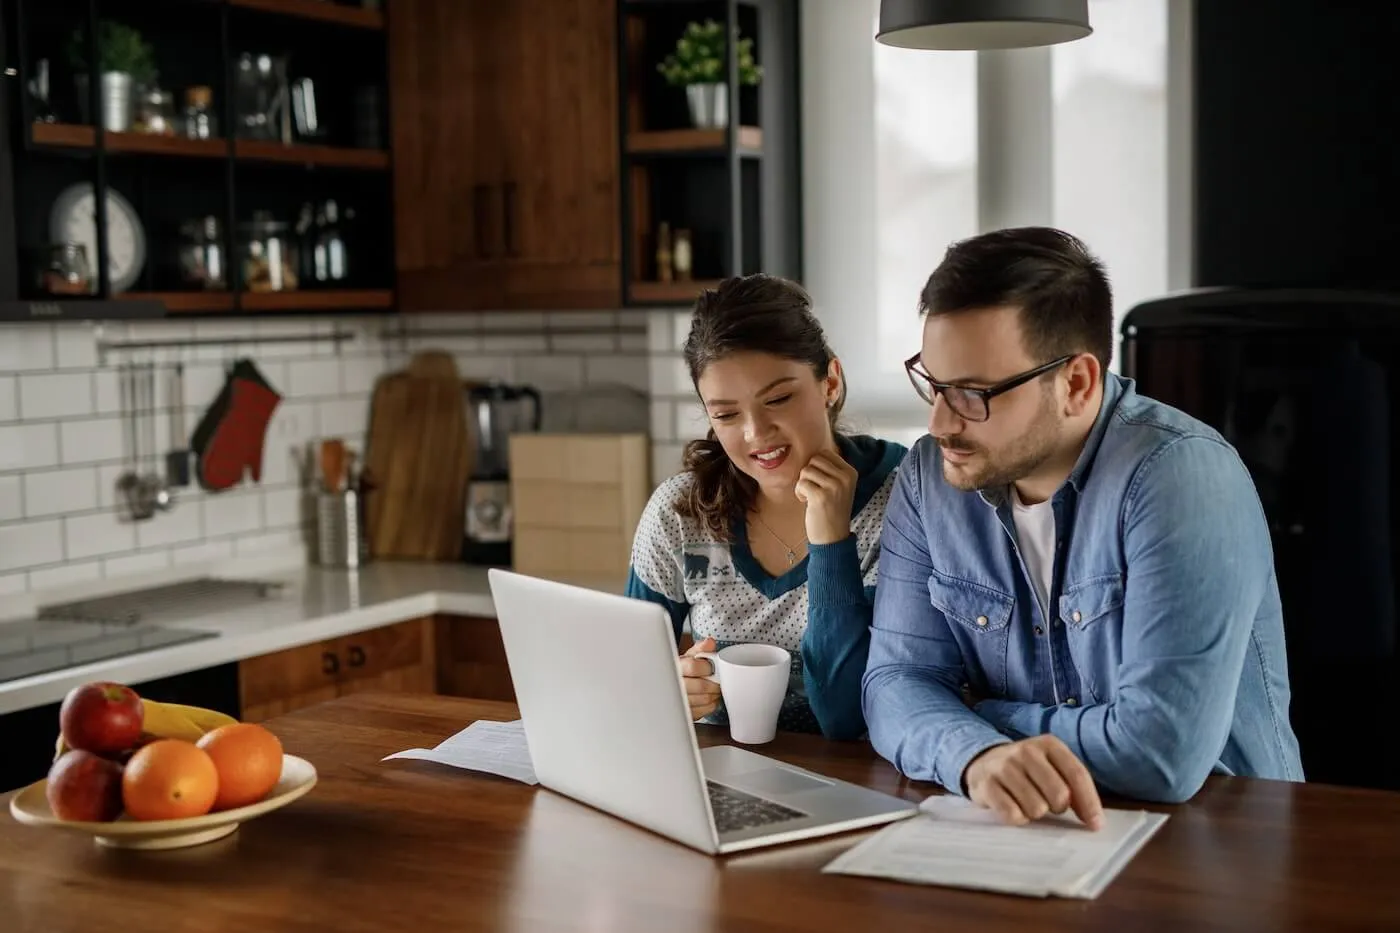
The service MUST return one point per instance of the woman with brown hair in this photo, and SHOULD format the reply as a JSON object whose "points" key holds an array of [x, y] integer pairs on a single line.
{"points": [[771, 532]]}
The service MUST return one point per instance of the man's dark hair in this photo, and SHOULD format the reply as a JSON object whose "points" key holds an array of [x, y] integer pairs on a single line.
{"points": [[1061, 289]]}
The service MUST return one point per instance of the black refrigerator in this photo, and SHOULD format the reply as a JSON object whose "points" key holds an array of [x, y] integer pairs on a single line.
{"points": [[1306, 385]]}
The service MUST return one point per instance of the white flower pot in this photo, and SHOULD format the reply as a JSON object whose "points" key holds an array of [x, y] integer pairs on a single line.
{"points": [[709, 105]]}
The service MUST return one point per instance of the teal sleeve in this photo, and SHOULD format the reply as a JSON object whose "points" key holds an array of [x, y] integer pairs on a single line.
{"points": [[678, 611], [837, 641]]}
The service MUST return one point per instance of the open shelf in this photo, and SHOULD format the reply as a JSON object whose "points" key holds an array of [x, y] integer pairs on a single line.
{"points": [[184, 301], [309, 300], [259, 150], [668, 292], [319, 10], [684, 141], [73, 136]]}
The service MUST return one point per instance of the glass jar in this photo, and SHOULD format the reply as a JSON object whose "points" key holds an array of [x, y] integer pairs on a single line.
{"points": [[156, 113], [199, 113], [201, 254], [268, 255], [64, 270]]}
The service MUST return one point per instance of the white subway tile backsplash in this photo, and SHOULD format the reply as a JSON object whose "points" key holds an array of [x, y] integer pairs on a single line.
{"points": [[663, 420], [691, 421], [515, 343], [477, 368], [11, 497], [58, 492], [631, 371], [28, 446], [9, 399], [55, 395], [202, 552], [181, 524], [583, 343], [312, 378], [129, 564], [107, 392], [26, 349], [665, 461], [284, 508], [96, 535], [271, 541], [659, 331], [359, 374], [65, 575], [549, 373], [680, 329], [75, 346], [669, 376], [344, 416], [108, 497], [231, 513], [12, 584], [202, 384], [30, 544], [92, 440]]}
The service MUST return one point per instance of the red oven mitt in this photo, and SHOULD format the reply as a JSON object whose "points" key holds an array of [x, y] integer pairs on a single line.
{"points": [[229, 439]]}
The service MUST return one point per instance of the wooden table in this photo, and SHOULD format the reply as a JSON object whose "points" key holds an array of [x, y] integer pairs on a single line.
{"points": [[413, 846]]}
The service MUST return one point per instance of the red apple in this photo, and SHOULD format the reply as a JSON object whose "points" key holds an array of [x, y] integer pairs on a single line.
{"points": [[85, 787], [102, 718]]}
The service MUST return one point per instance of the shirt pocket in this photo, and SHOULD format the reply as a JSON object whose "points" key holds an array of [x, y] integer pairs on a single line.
{"points": [[979, 618], [1092, 613]]}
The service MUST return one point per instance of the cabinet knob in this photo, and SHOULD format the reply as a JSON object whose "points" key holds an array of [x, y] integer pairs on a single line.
{"points": [[330, 664], [357, 656]]}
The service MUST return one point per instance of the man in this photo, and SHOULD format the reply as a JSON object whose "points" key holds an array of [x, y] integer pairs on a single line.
{"points": [[1076, 582]]}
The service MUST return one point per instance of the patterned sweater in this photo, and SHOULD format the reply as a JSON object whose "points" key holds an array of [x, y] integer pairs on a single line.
{"points": [[819, 610]]}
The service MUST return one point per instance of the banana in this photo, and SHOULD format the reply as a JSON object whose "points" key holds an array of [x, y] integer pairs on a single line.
{"points": [[171, 721]]}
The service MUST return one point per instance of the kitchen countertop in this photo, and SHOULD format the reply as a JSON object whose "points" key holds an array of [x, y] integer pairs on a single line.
{"points": [[313, 604]]}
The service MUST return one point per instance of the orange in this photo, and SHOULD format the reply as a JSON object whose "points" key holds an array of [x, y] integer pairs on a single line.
{"points": [[249, 761], [169, 779]]}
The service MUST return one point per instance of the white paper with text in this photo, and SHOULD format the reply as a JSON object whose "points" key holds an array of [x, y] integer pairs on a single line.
{"points": [[956, 843], [493, 747]]}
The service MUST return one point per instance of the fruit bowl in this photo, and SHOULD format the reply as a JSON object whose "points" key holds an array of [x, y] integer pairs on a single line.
{"points": [[31, 806]]}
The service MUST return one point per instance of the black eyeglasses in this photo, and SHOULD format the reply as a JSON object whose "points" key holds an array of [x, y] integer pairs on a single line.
{"points": [[969, 403]]}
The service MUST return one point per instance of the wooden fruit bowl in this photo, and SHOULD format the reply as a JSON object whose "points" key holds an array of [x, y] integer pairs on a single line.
{"points": [[31, 806]]}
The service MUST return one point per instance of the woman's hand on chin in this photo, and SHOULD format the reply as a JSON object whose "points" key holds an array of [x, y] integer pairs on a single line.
{"points": [[827, 486]]}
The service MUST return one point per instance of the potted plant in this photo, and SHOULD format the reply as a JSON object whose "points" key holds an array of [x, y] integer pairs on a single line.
{"points": [[124, 59], [698, 65]]}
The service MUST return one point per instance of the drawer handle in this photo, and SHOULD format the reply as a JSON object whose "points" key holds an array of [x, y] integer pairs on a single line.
{"points": [[330, 664], [357, 656]]}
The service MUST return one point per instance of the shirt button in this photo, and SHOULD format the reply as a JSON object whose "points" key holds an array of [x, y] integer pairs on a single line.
{"points": [[1071, 701], [982, 621], [1076, 616], [1039, 630]]}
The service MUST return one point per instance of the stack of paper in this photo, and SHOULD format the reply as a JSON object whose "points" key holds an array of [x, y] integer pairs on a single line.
{"points": [[493, 747], [957, 843]]}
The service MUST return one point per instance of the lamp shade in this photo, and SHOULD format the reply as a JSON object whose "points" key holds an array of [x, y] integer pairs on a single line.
{"points": [[981, 24]]}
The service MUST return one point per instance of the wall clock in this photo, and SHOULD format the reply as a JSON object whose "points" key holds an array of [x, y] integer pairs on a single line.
{"points": [[73, 219]]}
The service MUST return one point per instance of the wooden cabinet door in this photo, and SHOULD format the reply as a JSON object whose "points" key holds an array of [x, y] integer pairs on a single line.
{"points": [[396, 658], [560, 188], [471, 659], [283, 681], [448, 151]]}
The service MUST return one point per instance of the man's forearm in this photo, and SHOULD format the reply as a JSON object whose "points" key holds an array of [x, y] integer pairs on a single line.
{"points": [[923, 726]]}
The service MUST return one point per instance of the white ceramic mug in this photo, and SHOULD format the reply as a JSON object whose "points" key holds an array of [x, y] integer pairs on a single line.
{"points": [[753, 679]]}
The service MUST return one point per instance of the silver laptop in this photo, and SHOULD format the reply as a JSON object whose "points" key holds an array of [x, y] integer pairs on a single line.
{"points": [[604, 712]]}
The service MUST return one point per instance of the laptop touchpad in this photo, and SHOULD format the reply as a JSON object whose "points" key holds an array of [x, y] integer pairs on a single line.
{"points": [[774, 782]]}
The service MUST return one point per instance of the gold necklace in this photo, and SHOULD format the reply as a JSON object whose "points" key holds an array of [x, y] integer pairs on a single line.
{"points": [[791, 552]]}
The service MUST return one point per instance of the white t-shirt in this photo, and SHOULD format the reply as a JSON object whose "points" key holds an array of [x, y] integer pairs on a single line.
{"points": [[1035, 536]]}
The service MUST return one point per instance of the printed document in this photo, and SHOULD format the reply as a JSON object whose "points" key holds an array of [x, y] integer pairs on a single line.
{"points": [[493, 747], [954, 842]]}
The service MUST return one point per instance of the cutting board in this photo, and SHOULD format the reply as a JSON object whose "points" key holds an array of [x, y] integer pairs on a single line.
{"points": [[418, 460]]}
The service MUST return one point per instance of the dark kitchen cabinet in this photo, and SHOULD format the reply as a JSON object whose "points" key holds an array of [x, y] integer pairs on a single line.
{"points": [[504, 125]]}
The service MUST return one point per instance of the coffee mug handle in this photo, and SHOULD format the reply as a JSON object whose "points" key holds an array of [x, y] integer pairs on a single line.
{"points": [[714, 664]]}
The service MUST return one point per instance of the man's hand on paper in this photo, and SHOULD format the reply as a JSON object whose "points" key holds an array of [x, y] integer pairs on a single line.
{"points": [[1026, 780], [701, 694]]}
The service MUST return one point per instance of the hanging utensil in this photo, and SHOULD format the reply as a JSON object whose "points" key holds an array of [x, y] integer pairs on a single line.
{"points": [[177, 459], [130, 486]]}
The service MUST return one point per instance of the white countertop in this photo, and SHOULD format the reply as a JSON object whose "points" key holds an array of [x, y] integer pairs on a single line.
{"points": [[313, 604]]}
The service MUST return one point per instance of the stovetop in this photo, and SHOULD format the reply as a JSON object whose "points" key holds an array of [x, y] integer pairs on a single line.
{"points": [[68, 634]]}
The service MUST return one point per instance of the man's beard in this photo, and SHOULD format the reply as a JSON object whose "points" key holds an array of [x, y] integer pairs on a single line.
{"points": [[1019, 459]]}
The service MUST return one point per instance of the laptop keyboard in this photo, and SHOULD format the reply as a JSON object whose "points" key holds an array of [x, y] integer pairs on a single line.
{"points": [[735, 810]]}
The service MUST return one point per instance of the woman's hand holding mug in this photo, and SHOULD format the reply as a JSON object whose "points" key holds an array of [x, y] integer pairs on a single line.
{"points": [[701, 692]]}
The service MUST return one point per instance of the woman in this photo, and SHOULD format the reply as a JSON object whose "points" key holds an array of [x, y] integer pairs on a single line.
{"points": [[771, 532]]}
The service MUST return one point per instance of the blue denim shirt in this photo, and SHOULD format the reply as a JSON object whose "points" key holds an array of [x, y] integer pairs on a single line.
{"points": [[1162, 659]]}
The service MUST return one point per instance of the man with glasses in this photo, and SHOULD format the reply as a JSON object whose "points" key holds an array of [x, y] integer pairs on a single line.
{"points": [[1076, 582]]}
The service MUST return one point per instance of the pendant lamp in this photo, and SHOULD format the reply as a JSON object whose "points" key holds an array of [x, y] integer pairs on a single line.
{"points": [[981, 24]]}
